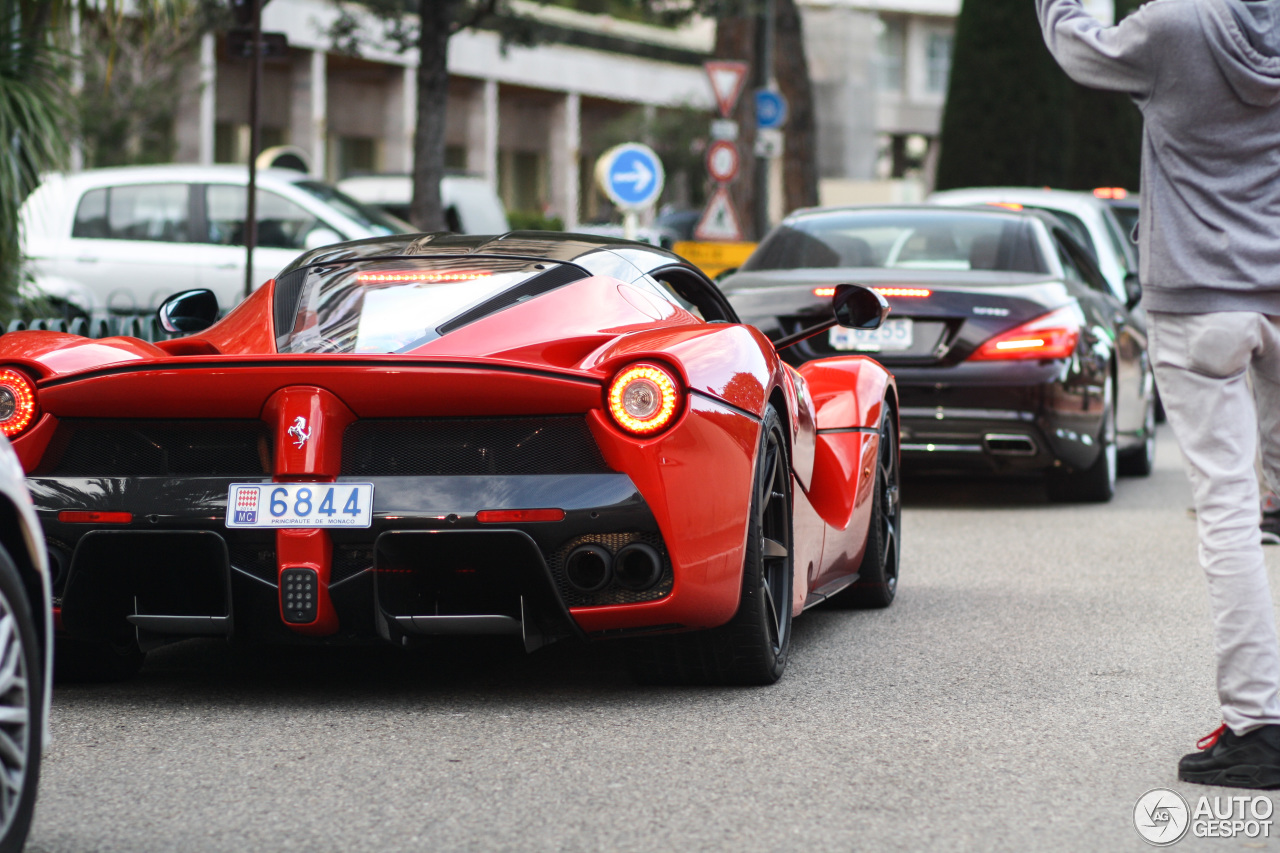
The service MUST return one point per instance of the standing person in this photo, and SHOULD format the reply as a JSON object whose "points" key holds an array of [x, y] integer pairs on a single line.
{"points": [[1206, 75]]}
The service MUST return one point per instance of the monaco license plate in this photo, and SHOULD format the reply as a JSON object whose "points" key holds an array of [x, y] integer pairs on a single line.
{"points": [[300, 505], [893, 336]]}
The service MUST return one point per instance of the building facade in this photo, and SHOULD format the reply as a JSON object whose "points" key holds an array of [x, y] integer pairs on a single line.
{"points": [[525, 118]]}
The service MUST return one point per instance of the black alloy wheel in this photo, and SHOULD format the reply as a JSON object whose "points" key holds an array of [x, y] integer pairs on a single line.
{"points": [[752, 648], [1097, 483], [21, 708], [877, 582]]}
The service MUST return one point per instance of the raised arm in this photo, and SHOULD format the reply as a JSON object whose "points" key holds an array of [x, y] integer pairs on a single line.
{"points": [[1118, 58]]}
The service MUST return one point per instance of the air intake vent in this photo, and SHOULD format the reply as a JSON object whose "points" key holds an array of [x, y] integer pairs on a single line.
{"points": [[138, 448], [471, 446]]}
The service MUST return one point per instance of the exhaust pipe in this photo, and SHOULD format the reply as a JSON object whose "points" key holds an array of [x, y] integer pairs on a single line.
{"points": [[589, 567], [999, 444], [637, 567]]}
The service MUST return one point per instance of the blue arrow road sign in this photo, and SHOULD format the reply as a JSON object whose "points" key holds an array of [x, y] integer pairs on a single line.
{"points": [[633, 177], [771, 109]]}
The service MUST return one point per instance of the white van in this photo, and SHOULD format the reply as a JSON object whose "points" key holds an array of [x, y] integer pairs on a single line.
{"points": [[470, 204], [124, 239]]}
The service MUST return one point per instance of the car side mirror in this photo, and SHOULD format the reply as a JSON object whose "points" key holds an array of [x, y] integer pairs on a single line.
{"points": [[1132, 289], [188, 311], [853, 306], [858, 307]]}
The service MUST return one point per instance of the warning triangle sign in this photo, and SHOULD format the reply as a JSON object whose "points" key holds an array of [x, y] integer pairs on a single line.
{"points": [[719, 222], [726, 83]]}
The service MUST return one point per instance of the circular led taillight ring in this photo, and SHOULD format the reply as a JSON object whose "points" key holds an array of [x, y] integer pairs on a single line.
{"points": [[643, 399], [17, 402]]}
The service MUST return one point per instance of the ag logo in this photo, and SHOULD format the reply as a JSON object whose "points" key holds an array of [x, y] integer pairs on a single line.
{"points": [[1161, 817]]}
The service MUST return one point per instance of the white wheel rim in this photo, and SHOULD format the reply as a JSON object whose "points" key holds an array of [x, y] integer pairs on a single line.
{"points": [[14, 716]]}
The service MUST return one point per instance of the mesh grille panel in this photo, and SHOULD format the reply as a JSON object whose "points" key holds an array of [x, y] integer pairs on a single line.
{"points": [[350, 560], [119, 448], [612, 594], [256, 558], [442, 447]]}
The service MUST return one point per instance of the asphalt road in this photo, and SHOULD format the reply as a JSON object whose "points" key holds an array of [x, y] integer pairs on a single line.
{"points": [[1042, 668]]}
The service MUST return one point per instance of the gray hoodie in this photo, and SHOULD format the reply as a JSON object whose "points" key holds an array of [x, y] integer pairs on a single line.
{"points": [[1206, 75]]}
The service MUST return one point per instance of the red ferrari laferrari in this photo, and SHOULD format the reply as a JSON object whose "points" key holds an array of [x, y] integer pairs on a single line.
{"points": [[547, 436]]}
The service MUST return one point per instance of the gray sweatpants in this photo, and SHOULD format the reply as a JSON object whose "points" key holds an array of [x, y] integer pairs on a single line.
{"points": [[1203, 364]]}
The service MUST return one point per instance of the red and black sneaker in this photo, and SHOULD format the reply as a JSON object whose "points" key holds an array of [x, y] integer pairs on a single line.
{"points": [[1235, 761]]}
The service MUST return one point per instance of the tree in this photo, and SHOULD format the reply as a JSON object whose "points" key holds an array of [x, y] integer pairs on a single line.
{"points": [[1007, 114], [1106, 139], [738, 37], [428, 25], [33, 122], [135, 76], [1013, 117]]}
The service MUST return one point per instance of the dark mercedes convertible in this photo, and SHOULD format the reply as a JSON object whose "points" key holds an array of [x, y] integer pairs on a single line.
{"points": [[1010, 351]]}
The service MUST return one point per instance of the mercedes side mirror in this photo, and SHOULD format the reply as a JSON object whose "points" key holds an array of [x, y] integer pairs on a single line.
{"points": [[188, 311], [853, 306]]}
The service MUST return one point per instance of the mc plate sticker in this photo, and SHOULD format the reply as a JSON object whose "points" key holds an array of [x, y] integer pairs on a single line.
{"points": [[300, 505]]}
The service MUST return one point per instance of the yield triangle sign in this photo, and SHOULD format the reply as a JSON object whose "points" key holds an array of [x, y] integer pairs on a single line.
{"points": [[726, 83], [719, 222]]}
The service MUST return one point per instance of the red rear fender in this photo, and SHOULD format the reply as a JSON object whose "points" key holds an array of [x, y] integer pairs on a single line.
{"points": [[848, 395]]}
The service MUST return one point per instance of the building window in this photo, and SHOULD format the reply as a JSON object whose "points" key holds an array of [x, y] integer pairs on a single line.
{"points": [[357, 155], [938, 62], [455, 158], [891, 52]]}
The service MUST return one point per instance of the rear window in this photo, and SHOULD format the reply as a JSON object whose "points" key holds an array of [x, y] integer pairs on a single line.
{"points": [[395, 306], [901, 239]]}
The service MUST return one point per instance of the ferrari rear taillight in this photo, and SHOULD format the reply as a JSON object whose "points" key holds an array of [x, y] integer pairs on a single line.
{"points": [[1052, 335], [17, 402], [643, 399]]}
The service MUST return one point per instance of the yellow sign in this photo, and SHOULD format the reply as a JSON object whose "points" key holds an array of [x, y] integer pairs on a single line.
{"points": [[714, 258]]}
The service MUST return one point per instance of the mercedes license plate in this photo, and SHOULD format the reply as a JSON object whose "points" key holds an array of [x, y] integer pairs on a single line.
{"points": [[300, 505], [892, 336]]}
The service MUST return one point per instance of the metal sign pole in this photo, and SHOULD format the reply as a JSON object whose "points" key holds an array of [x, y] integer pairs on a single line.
{"points": [[251, 208], [765, 78]]}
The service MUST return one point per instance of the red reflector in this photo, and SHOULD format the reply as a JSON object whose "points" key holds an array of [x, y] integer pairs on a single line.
{"points": [[85, 517], [509, 516], [825, 292], [903, 292], [424, 275]]}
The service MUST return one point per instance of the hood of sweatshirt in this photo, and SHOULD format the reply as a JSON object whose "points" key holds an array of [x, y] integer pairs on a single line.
{"points": [[1245, 35]]}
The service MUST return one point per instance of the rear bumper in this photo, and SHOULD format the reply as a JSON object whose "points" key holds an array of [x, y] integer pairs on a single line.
{"points": [[1005, 417], [426, 566]]}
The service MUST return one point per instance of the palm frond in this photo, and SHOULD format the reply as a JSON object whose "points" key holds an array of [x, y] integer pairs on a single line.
{"points": [[33, 137]]}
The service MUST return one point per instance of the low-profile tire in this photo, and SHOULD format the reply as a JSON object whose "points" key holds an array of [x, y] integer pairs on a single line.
{"points": [[752, 648], [1097, 483], [22, 705], [96, 661], [1141, 460], [877, 582]]}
